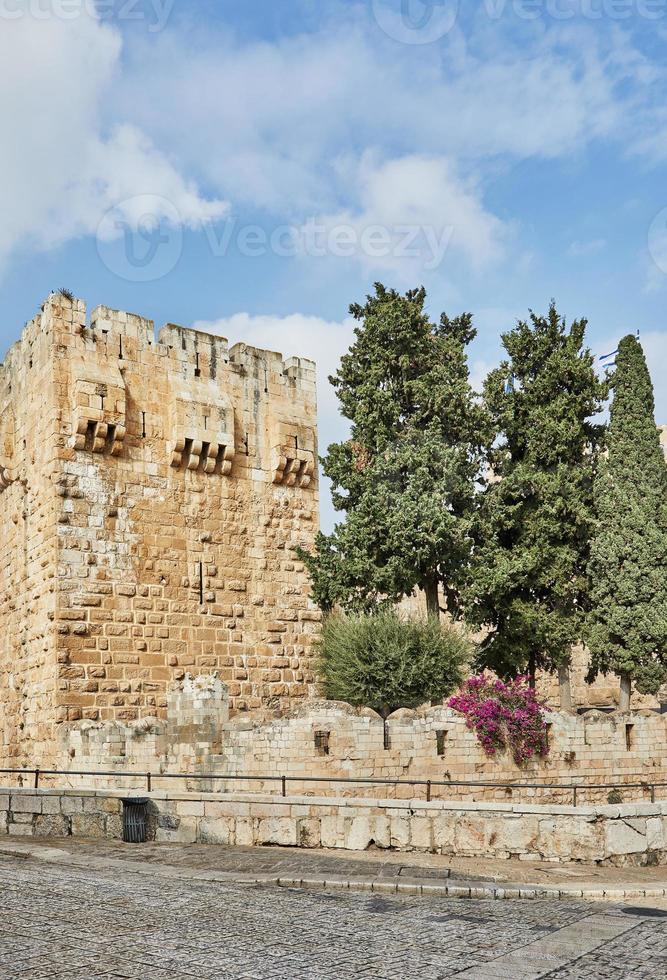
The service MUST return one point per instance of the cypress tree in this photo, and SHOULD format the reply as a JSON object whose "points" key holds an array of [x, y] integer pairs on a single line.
{"points": [[406, 477], [628, 567], [529, 585]]}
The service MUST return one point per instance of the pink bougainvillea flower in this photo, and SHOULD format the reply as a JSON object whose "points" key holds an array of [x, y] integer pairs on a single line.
{"points": [[504, 716]]}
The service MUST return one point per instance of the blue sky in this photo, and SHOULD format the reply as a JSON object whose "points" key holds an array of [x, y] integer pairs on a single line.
{"points": [[253, 167]]}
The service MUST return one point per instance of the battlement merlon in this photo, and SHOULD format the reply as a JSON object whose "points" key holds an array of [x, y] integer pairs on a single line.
{"points": [[210, 353]]}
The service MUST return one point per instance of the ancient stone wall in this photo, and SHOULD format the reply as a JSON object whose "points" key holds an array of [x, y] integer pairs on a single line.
{"points": [[328, 739], [153, 493], [29, 433], [629, 834]]}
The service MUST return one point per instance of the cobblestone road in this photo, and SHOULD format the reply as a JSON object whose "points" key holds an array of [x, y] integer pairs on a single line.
{"points": [[67, 922]]}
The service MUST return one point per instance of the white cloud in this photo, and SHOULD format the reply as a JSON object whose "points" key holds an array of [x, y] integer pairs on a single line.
{"points": [[340, 122], [60, 171], [411, 213], [578, 249], [277, 124]]}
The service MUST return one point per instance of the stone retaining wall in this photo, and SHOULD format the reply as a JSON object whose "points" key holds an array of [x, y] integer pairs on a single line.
{"points": [[331, 739], [620, 835]]}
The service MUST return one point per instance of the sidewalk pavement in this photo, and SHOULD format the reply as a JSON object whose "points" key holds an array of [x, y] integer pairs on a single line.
{"points": [[373, 870]]}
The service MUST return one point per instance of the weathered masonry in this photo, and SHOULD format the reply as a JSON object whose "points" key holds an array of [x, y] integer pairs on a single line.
{"points": [[152, 494]]}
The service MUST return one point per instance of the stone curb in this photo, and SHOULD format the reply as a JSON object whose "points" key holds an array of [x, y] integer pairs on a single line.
{"points": [[453, 888], [461, 889]]}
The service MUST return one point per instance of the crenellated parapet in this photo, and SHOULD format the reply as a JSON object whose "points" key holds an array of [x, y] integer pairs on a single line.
{"points": [[209, 406]]}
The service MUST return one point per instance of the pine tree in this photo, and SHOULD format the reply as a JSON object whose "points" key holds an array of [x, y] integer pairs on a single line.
{"points": [[628, 567], [406, 477], [529, 585]]}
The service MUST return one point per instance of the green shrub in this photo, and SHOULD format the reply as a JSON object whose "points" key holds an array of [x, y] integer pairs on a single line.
{"points": [[384, 661]]}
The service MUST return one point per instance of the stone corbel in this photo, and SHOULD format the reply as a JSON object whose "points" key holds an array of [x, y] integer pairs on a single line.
{"points": [[195, 454], [293, 454], [293, 467], [98, 436], [7, 474], [98, 395], [202, 421]]}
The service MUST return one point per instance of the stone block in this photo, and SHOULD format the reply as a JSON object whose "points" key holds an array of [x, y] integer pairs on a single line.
{"points": [[400, 831], [217, 830], [50, 804], [308, 832], [167, 821], [363, 830], [471, 835], [515, 834], [655, 834], [332, 830], [20, 829], [110, 805], [244, 832], [52, 825], [276, 830], [620, 838], [71, 804], [25, 804], [422, 834], [113, 826], [190, 808], [88, 825], [444, 827], [185, 833]]}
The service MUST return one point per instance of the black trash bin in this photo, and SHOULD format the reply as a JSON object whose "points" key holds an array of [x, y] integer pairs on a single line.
{"points": [[135, 821]]}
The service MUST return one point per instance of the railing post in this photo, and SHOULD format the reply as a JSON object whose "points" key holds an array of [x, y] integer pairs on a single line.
{"points": [[652, 793], [37, 778], [283, 781], [148, 782], [574, 796], [428, 790]]}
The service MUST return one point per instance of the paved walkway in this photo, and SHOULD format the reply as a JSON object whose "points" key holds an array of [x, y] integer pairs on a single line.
{"points": [[382, 871], [84, 913]]}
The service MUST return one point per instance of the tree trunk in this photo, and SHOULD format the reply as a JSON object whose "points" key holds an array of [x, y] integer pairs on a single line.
{"points": [[532, 670], [626, 688], [432, 596], [564, 687]]}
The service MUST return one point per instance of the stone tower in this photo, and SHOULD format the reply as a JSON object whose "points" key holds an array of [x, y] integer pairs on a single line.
{"points": [[152, 494]]}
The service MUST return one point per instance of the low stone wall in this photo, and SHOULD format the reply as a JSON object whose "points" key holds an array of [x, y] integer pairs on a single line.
{"points": [[333, 740], [624, 834]]}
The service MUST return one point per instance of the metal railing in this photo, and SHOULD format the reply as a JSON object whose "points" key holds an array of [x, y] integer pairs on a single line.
{"points": [[428, 785]]}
